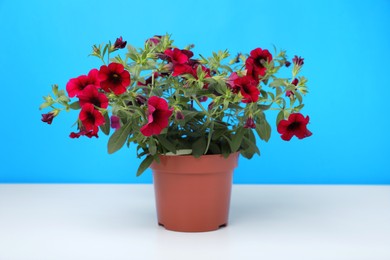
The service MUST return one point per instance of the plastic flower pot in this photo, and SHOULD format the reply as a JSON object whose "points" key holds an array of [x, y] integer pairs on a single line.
{"points": [[193, 194]]}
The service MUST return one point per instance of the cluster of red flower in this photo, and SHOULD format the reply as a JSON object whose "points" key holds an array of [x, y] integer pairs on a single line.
{"points": [[92, 91]]}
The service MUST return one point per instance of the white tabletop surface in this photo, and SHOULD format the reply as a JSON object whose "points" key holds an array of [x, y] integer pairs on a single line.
{"points": [[270, 222]]}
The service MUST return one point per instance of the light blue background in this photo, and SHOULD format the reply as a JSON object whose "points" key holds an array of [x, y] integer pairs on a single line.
{"points": [[347, 59]]}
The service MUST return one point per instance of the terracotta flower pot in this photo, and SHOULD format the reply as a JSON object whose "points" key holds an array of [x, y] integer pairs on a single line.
{"points": [[193, 194]]}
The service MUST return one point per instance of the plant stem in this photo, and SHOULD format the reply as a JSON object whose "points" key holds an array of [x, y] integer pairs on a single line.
{"points": [[208, 121]]}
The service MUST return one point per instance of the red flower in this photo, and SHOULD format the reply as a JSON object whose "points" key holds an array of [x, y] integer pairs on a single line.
{"points": [[231, 84], [91, 95], [180, 69], [295, 125], [114, 78], [76, 85], [91, 118], [248, 89], [255, 62], [84, 133], [158, 116], [177, 56], [119, 43]]}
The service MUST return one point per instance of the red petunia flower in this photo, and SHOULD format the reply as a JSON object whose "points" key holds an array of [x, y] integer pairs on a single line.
{"points": [[114, 78], [255, 62], [248, 89], [296, 124], [76, 85], [91, 95], [89, 134], [180, 69], [158, 116], [177, 56], [91, 118], [231, 84], [120, 43]]}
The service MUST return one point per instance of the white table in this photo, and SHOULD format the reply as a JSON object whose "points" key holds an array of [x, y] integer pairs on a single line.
{"points": [[270, 222]]}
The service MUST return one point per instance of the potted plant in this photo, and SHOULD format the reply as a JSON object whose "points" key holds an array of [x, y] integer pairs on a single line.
{"points": [[189, 116]]}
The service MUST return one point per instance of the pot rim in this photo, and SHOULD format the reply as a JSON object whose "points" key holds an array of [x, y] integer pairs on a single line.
{"points": [[191, 165]]}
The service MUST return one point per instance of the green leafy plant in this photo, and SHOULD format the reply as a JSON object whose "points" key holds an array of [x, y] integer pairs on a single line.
{"points": [[166, 101]]}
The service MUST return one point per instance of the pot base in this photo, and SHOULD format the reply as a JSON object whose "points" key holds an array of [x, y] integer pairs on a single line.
{"points": [[203, 229]]}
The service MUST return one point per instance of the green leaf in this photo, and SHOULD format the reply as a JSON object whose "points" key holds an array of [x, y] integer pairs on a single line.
{"points": [[64, 99], [144, 165], [105, 50], [75, 105], [280, 117], [264, 93], [199, 147], [298, 108], [225, 149], [226, 68], [55, 89], [263, 129], [44, 105], [265, 107], [298, 96], [235, 143], [152, 146], [278, 91], [188, 115], [166, 143], [277, 83], [118, 139], [106, 126], [249, 145]]}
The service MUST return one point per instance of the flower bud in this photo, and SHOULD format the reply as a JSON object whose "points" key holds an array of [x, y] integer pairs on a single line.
{"points": [[250, 123], [119, 43], [47, 118], [237, 58], [115, 122], [140, 100], [179, 115], [155, 39], [289, 93], [295, 82], [95, 50], [210, 106], [298, 61], [203, 99]]}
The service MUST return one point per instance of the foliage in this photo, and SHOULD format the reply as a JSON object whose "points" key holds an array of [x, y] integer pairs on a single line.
{"points": [[165, 101]]}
